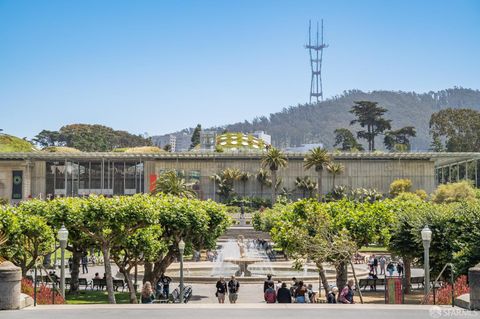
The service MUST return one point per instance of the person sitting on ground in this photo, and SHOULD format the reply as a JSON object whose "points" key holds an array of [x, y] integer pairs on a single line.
{"points": [[283, 294], [346, 296], [147, 293], [294, 286], [332, 295], [97, 276], [270, 295], [300, 292], [267, 282], [278, 285], [312, 295]]}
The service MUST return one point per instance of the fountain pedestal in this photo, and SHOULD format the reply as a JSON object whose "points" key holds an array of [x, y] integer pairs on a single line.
{"points": [[242, 264]]}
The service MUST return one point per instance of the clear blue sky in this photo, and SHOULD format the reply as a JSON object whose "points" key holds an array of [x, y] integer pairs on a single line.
{"points": [[160, 66]]}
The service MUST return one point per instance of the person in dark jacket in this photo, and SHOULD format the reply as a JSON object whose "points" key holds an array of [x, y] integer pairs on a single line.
{"points": [[332, 295], [267, 283], [284, 295]]}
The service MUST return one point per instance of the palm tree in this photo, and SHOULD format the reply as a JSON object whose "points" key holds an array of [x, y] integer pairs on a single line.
{"points": [[244, 176], [264, 179], [170, 183], [225, 180], [305, 185], [274, 159], [335, 169], [318, 158]]}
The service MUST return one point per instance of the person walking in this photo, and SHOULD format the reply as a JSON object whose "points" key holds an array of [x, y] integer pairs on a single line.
{"points": [[165, 280], [346, 296], [233, 287], [332, 295], [70, 264], [400, 268], [85, 264], [221, 287], [270, 294], [375, 264], [283, 294]]}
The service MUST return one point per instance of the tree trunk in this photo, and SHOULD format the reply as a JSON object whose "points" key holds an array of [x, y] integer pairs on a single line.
{"points": [[342, 274], [319, 184], [408, 273], [161, 266], [323, 277], [131, 287], [274, 186], [77, 254], [108, 273], [356, 282], [148, 272], [333, 181]]}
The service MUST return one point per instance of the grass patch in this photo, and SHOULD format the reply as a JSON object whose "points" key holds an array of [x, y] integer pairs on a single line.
{"points": [[96, 297], [10, 144], [373, 249]]}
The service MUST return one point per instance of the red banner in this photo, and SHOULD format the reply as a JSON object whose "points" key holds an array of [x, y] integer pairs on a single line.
{"points": [[152, 180]]}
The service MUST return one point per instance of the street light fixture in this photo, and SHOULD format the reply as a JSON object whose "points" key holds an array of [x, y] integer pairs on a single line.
{"points": [[181, 248], [62, 237], [427, 239]]}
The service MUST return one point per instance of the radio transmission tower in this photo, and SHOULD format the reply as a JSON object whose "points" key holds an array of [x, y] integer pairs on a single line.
{"points": [[316, 54]]}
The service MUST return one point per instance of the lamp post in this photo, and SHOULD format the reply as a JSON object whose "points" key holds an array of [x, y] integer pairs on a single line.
{"points": [[62, 237], [427, 239], [181, 248]]}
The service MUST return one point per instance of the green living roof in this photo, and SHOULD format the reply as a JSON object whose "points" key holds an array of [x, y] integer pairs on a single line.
{"points": [[12, 144]]}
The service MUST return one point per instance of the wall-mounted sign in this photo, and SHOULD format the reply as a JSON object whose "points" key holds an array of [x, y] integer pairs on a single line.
{"points": [[17, 184]]}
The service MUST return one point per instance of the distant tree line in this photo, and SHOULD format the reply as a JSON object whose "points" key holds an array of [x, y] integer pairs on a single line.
{"points": [[90, 138]]}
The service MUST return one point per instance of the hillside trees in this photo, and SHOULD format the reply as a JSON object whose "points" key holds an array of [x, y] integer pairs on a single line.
{"points": [[399, 140], [90, 138], [370, 116], [345, 139], [459, 129]]}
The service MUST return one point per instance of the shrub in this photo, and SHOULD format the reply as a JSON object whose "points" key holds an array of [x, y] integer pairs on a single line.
{"points": [[398, 186], [421, 193], [44, 293], [444, 294], [408, 197], [454, 192]]}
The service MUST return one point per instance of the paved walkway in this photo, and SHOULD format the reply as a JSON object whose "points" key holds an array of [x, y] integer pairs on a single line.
{"points": [[250, 311]]}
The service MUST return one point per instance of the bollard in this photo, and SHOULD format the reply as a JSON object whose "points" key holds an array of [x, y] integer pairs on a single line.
{"points": [[474, 283], [10, 285]]}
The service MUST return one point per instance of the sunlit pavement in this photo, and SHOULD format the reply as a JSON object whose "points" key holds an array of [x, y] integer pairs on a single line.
{"points": [[250, 311]]}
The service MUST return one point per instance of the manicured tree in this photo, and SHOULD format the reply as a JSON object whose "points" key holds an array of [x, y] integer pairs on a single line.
{"points": [[170, 183], [29, 236], [274, 159], [109, 220], [319, 159], [198, 223], [143, 244], [335, 169], [264, 179]]}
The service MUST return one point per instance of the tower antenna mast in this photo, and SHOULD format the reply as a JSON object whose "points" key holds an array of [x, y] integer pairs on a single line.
{"points": [[315, 51]]}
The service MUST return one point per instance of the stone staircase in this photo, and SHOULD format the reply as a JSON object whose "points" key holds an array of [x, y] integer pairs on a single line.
{"points": [[247, 231]]}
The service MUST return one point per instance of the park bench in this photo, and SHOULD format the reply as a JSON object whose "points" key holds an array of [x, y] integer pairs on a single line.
{"points": [[118, 283], [99, 283], [364, 283], [417, 280]]}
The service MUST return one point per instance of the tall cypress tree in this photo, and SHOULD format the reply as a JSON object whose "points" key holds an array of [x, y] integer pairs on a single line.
{"points": [[196, 136]]}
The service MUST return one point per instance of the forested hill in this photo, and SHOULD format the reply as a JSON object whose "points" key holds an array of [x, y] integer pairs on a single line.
{"points": [[313, 123]]}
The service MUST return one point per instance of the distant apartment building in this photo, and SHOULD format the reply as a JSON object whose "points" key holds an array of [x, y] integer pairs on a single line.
{"points": [[208, 140], [180, 142], [263, 136]]}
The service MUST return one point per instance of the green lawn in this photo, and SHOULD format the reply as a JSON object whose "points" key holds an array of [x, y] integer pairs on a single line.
{"points": [[96, 297], [373, 249]]}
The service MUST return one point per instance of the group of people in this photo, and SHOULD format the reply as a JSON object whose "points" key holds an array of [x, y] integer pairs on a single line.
{"points": [[162, 290], [386, 266], [299, 292]]}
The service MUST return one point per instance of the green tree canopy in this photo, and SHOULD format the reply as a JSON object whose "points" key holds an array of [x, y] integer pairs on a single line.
{"points": [[370, 116], [399, 139], [196, 136], [345, 139]]}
